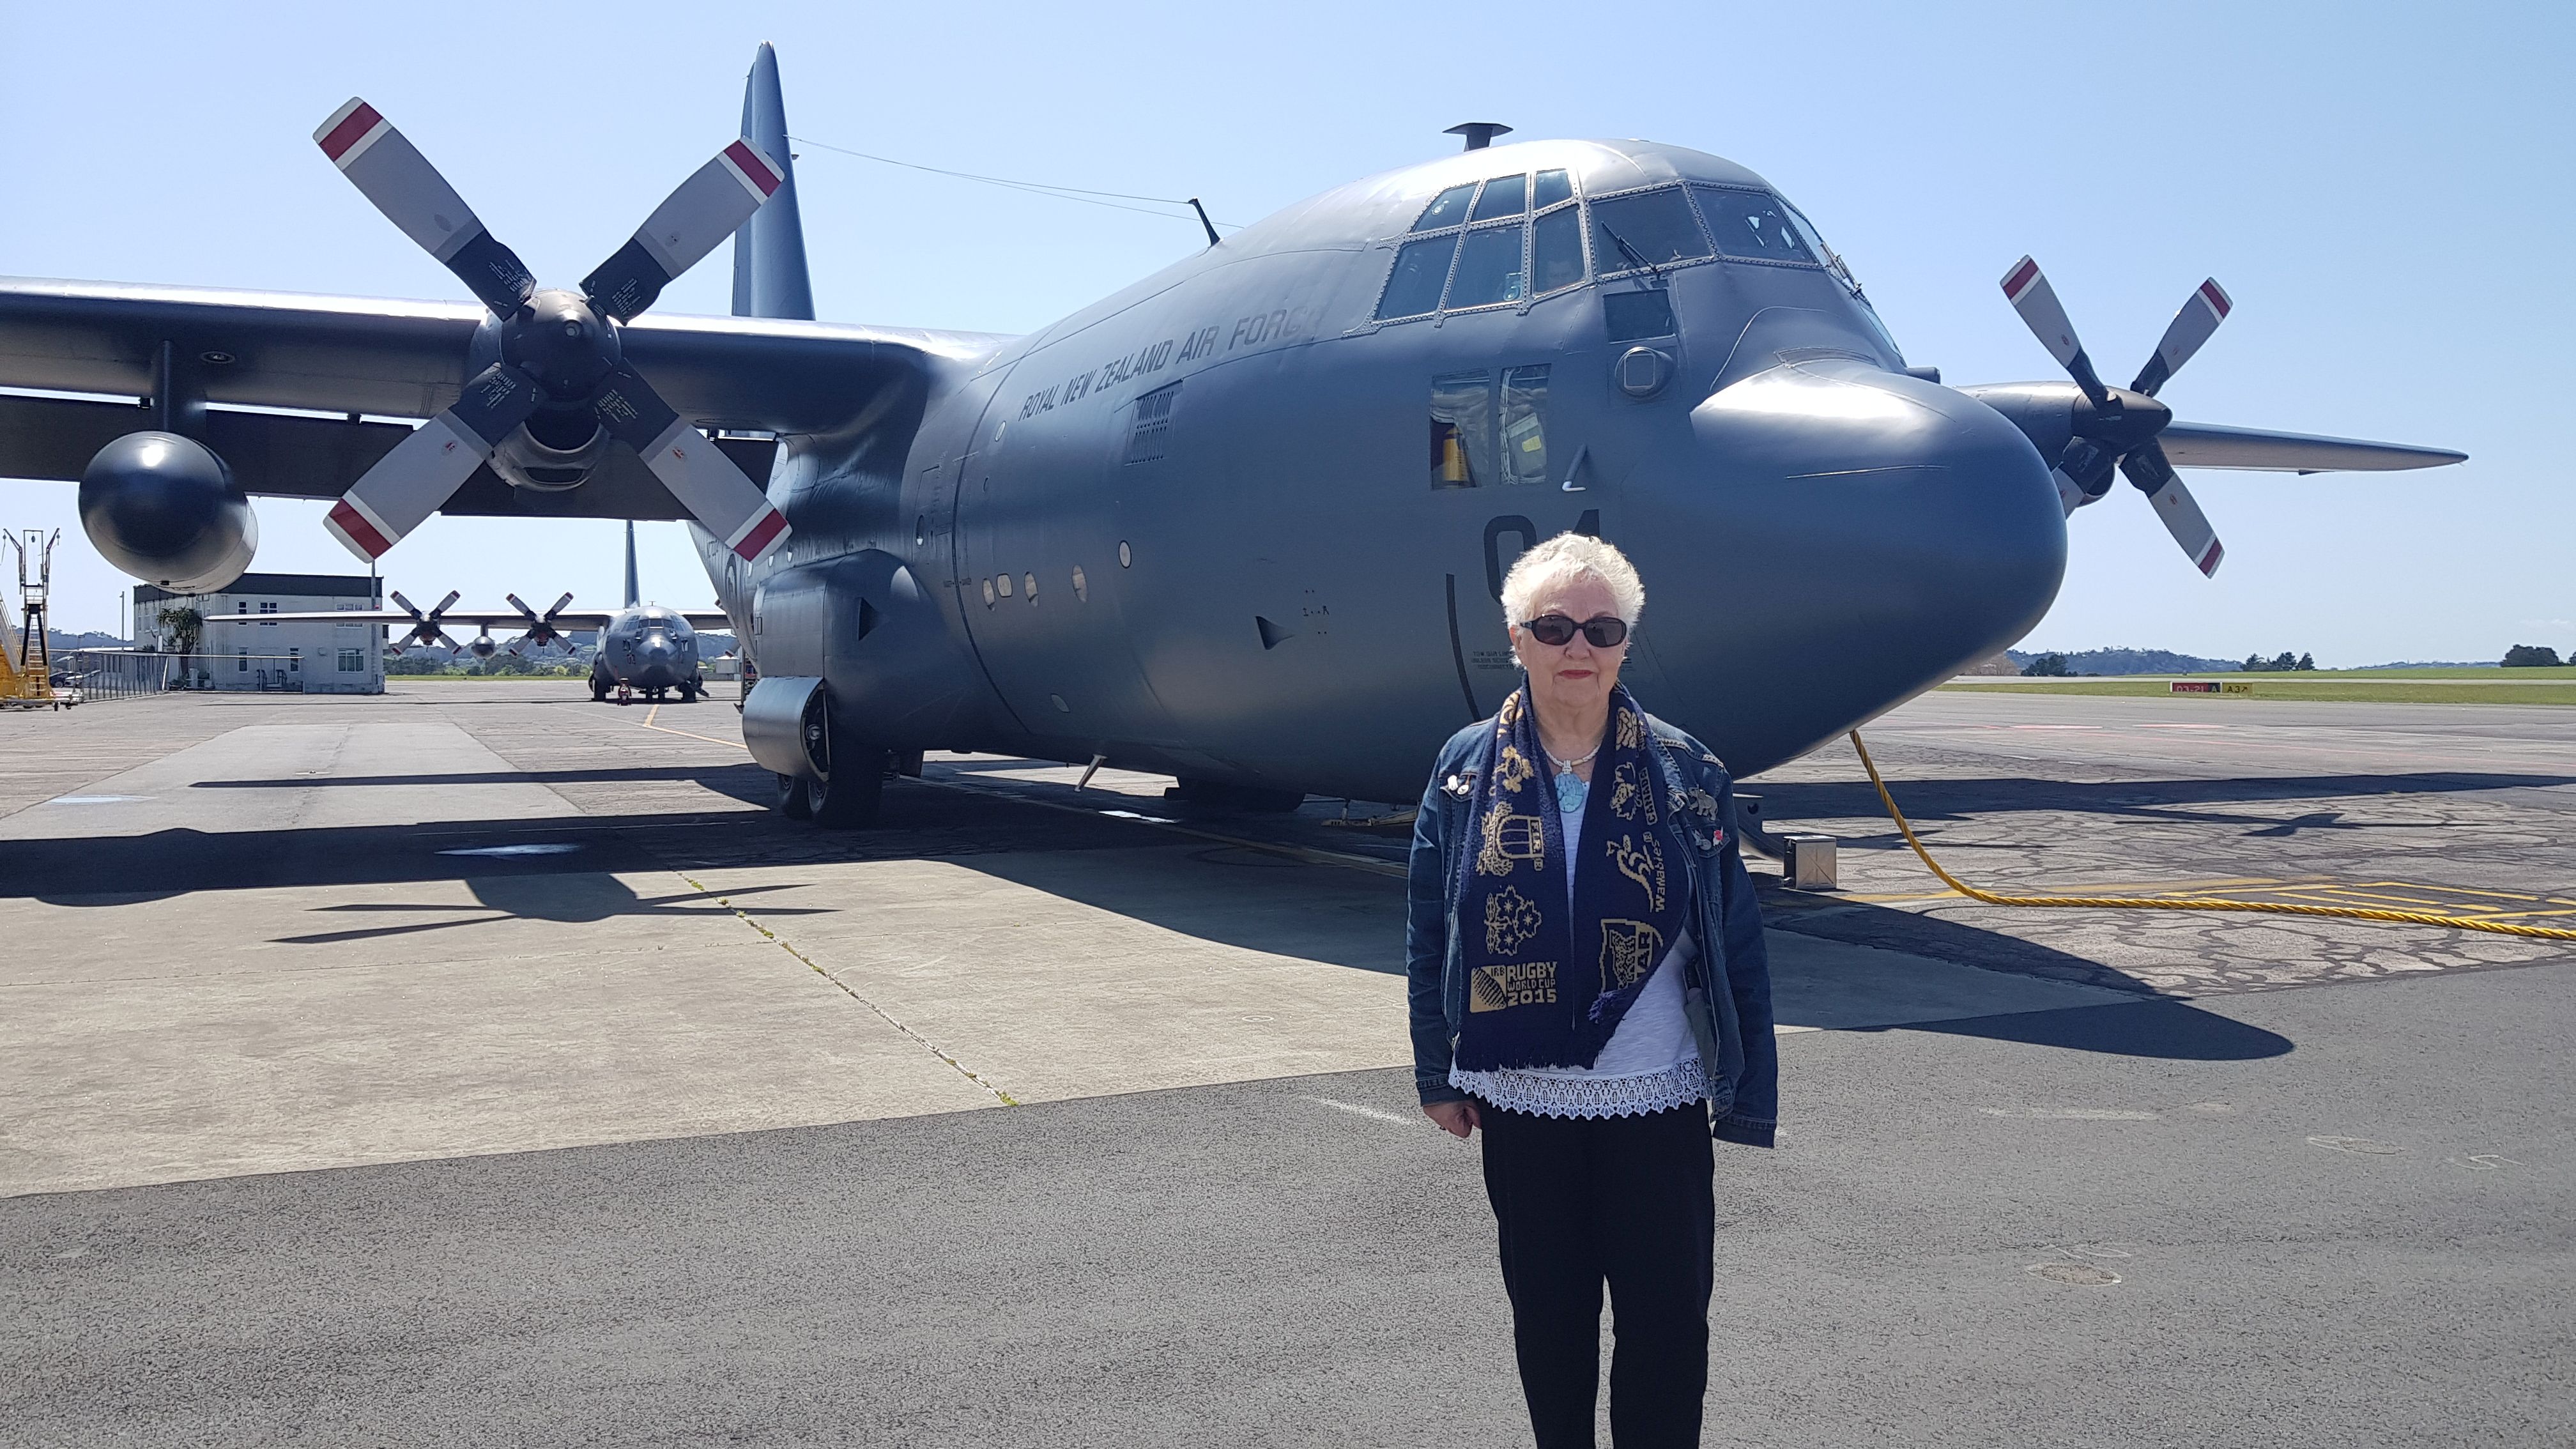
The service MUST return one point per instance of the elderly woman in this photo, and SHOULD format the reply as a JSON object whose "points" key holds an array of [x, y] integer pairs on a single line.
{"points": [[1589, 986]]}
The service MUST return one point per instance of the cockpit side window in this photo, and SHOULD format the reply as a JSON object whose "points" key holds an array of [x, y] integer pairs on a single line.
{"points": [[1645, 229], [1504, 196], [1421, 267], [1753, 225], [1556, 250], [1490, 268], [1553, 187], [1447, 209]]}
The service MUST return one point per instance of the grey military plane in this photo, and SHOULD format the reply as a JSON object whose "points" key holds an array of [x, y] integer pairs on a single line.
{"points": [[643, 648], [1243, 523]]}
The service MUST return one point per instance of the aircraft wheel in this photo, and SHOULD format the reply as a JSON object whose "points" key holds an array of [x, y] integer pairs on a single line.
{"points": [[688, 694], [850, 798], [790, 801], [598, 690]]}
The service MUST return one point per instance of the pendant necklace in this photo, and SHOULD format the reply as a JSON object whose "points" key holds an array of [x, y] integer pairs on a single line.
{"points": [[1571, 789]]}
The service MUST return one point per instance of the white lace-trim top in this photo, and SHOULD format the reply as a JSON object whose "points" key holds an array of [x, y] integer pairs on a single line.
{"points": [[1650, 1064]]}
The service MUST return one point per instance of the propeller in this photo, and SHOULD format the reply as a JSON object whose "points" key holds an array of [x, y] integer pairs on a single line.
{"points": [[541, 630], [560, 352], [2115, 428], [425, 630]]}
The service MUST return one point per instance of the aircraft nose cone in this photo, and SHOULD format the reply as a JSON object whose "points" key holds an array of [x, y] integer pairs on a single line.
{"points": [[1834, 537]]}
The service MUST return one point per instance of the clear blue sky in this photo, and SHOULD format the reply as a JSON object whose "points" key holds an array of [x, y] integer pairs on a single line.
{"points": [[2385, 189]]}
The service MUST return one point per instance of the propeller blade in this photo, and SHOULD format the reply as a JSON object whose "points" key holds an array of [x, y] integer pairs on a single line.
{"points": [[524, 611], [424, 470], [2026, 287], [707, 208], [446, 604], [406, 605], [728, 504], [559, 606], [2155, 477], [389, 171], [2190, 327]]}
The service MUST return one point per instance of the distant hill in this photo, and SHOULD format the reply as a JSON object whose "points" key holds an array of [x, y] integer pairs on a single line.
{"points": [[60, 642], [2131, 661]]}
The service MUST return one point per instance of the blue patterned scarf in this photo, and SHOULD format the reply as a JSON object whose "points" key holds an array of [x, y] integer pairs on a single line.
{"points": [[1547, 985]]}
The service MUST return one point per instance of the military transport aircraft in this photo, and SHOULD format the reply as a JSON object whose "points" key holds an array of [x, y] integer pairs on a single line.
{"points": [[1244, 522], [643, 648]]}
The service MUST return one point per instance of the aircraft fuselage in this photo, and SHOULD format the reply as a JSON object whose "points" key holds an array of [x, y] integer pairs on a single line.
{"points": [[1244, 522]]}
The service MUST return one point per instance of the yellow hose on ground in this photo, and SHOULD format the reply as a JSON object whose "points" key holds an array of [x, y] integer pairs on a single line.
{"points": [[2186, 903]]}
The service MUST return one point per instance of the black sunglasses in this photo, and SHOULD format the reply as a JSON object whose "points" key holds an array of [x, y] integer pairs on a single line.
{"points": [[1606, 632]]}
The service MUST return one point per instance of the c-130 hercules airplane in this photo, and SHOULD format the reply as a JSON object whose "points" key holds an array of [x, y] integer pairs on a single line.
{"points": [[1243, 523]]}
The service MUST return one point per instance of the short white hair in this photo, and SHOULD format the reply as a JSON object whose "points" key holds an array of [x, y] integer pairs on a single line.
{"points": [[1560, 561]]}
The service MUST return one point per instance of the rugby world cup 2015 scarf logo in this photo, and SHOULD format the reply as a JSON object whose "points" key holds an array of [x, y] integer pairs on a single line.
{"points": [[1549, 980]]}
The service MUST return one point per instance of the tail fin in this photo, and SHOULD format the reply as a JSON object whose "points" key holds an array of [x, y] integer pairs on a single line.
{"points": [[631, 600], [769, 251]]}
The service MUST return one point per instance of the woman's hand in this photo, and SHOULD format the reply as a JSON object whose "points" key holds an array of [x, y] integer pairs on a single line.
{"points": [[1455, 1118]]}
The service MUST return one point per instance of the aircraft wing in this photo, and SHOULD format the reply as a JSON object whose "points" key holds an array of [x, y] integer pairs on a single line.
{"points": [[569, 619], [344, 357], [2209, 445]]}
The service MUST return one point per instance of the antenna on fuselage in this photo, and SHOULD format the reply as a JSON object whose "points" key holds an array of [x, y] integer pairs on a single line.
{"points": [[630, 564], [1203, 220], [1479, 134]]}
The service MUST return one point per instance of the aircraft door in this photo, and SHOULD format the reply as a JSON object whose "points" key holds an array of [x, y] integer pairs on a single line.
{"points": [[1511, 462]]}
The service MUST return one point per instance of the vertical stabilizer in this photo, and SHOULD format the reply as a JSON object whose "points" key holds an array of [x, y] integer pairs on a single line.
{"points": [[631, 599], [769, 251]]}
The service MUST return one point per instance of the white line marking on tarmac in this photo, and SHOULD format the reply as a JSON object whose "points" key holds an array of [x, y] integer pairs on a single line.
{"points": [[1374, 1114], [2070, 1114], [512, 852], [95, 799]]}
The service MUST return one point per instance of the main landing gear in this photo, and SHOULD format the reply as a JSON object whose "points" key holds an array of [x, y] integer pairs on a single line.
{"points": [[849, 780]]}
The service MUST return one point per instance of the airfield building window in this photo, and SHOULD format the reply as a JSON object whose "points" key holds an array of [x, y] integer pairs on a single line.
{"points": [[1462, 430], [352, 662], [1752, 224], [1447, 209], [1556, 250], [1634, 315], [1553, 187], [1525, 425], [1489, 268], [1503, 196], [1646, 229], [1150, 435], [1413, 288]]}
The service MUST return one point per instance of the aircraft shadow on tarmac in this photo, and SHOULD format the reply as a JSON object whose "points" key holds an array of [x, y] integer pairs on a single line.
{"points": [[566, 868], [742, 782]]}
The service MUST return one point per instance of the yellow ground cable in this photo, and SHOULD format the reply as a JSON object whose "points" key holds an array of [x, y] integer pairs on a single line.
{"points": [[2186, 903]]}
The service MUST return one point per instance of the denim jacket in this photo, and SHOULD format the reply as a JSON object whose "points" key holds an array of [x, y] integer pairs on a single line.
{"points": [[1727, 992]]}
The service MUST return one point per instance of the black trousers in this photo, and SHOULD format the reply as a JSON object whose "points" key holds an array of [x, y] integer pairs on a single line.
{"points": [[1626, 1200]]}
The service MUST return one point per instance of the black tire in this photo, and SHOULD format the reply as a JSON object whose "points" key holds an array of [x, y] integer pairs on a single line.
{"points": [[598, 690], [790, 801], [852, 796], [688, 694]]}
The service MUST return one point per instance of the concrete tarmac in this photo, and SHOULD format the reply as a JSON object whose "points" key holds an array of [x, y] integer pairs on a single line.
{"points": [[478, 1065]]}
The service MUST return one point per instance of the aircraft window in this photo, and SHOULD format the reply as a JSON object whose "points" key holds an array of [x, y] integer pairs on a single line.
{"points": [[1151, 434], [1632, 315], [1447, 209], [1504, 196], [1525, 425], [1462, 429], [1651, 228], [1002, 583], [1751, 224], [1489, 268], [1556, 251], [1413, 288], [1553, 187]]}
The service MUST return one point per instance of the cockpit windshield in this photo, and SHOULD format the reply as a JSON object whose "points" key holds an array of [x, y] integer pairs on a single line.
{"points": [[1752, 224], [1645, 229]]}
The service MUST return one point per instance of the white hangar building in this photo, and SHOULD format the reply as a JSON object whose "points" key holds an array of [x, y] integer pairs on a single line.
{"points": [[292, 657]]}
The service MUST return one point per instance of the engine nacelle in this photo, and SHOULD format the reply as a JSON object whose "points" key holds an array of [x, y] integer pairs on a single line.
{"points": [[552, 451], [166, 510]]}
